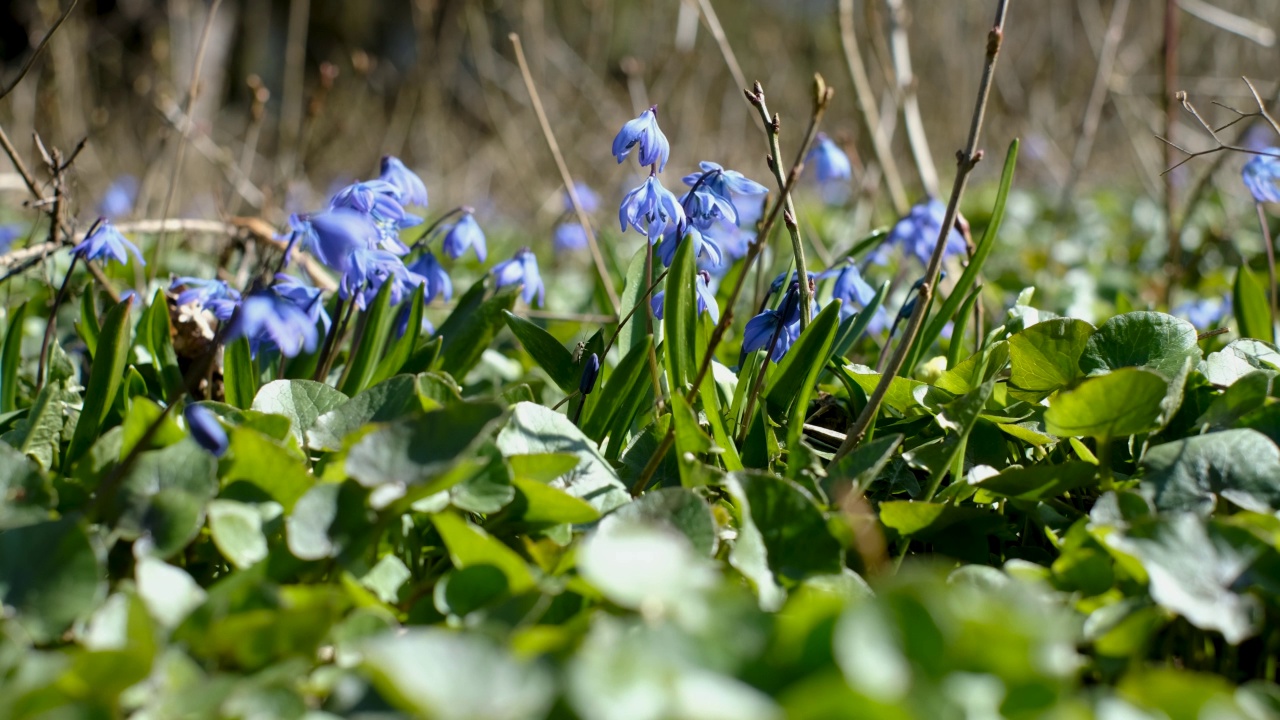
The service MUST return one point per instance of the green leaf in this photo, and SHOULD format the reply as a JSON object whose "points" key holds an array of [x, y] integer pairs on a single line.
{"points": [[1189, 475], [401, 349], [87, 328], [1199, 569], [468, 545], [678, 508], [10, 358], [63, 586], [912, 519], [332, 520], [634, 333], [423, 357], [792, 383], [1124, 402], [1041, 482], [239, 374], [545, 350], [540, 503], [1141, 339], [861, 467], [855, 325], [255, 458], [104, 379], [468, 330], [302, 401], [438, 673], [623, 391], [369, 345], [154, 334], [901, 394], [933, 330], [236, 529], [388, 400], [649, 568], [1253, 311], [679, 318], [534, 429], [163, 496], [691, 441], [1239, 358], [541, 467], [412, 452], [1045, 357], [39, 434], [26, 496]]}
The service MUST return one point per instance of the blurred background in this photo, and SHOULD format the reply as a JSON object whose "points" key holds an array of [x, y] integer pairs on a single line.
{"points": [[294, 96]]}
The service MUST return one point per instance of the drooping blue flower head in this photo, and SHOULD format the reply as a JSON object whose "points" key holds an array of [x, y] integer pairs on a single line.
{"points": [[773, 330], [268, 320], [829, 162], [1204, 312], [587, 197], [704, 208], [118, 200], [368, 270], [918, 232], [106, 243], [569, 236], [715, 191], [854, 294], [703, 245], [332, 235], [437, 280], [733, 242], [9, 233], [412, 190], [463, 235], [650, 208], [643, 131], [702, 291], [216, 296], [205, 429], [1262, 176], [522, 269], [306, 297], [776, 284], [379, 200]]}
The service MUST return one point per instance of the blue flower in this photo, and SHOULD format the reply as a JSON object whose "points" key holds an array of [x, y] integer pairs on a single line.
{"points": [[703, 245], [1262, 176], [715, 190], [437, 280], [368, 270], [586, 197], [213, 295], [780, 327], [380, 201], [643, 131], [704, 207], [205, 429], [1204, 312], [268, 319], [829, 162], [918, 232], [306, 297], [702, 291], [9, 233], [569, 236], [106, 243], [521, 269], [854, 294], [332, 235], [412, 190], [118, 200], [464, 234], [650, 208], [776, 284]]}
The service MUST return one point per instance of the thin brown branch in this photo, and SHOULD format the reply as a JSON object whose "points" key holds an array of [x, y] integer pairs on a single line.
{"points": [[966, 161], [26, 66]]}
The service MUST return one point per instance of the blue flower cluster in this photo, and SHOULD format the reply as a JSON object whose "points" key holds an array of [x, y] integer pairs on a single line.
{"points": [[1262, 176]]}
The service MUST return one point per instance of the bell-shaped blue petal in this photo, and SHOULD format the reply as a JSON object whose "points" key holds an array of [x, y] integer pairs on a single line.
{"points": [[270, 320], [464, 235], [918, 232], [643, 131], [106, 243], [829, 162], [306, 297], [214, 295], [118, 200], [205, 429], [332, 235], [437, 279], [522, 269], [412, 190], [368, 270], [569, 236], [650, 208]]}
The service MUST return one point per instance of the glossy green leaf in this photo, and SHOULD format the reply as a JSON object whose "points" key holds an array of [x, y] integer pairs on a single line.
{"points": [[302, 401], [545, 350], [1124, 402], [540, 503], [1189, 475], [389, 400], [1041, 482], [679, 509], [469, 545], [1151, 340], [11, 358], [1252, 309], [622, 392], [1045, 357], [679, 318], [65, 585], [412, 452], [470, 328], [369, 344], [400, 349], [28, 495], [104, 379], [239, 374], [236, 528], [534, 429], [154, 334]]}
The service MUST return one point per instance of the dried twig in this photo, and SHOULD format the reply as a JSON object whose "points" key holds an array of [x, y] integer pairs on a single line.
{"points": [[26, 66], [966, 161], [906, 81]]}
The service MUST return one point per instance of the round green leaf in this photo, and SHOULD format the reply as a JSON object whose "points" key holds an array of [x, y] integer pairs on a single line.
{"points": [[1124, 402], [1141, 339]]}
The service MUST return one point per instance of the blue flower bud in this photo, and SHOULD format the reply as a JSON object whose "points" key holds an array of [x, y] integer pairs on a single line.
{"points": [[205, 429], [589, 373]]}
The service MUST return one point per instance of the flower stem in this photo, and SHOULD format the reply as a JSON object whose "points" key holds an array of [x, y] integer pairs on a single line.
{"points": [[52, 322], [330, 340]]}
